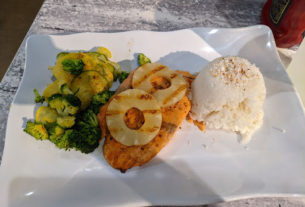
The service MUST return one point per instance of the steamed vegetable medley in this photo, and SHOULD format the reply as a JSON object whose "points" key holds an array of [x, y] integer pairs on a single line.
{"points": [[70, 104]]}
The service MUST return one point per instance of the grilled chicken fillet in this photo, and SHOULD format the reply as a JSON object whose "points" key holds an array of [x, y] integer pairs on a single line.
{"points": [[124, 157]]}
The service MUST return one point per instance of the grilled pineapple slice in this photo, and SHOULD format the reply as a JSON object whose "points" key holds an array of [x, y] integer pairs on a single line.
{"points": [[119, 106], [167, 86]]}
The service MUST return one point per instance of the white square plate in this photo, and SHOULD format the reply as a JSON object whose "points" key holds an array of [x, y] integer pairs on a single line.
{"points": [[195, 167]]}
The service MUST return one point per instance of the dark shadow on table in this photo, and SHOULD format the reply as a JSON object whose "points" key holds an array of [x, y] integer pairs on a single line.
{"points": [[175, 14], [240, 13]]}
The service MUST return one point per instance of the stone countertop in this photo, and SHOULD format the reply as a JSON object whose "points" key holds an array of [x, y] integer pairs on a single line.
{"points": [[57, 16]]}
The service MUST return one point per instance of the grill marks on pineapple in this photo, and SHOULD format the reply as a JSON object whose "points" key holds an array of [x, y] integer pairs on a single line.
{"points": [[160, 82], [113, 113], [148, 111], [137, 128], [152, 90], [124, 157], [157, 69], [174, 75], [146, 97], [150, 129], [151, 111], [175, 93], [134, 119]]}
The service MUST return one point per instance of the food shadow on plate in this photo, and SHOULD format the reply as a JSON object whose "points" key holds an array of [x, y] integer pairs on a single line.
{"points": [[184, 60], [24, 122], [26, 119], [168, 183], [181, 60]]}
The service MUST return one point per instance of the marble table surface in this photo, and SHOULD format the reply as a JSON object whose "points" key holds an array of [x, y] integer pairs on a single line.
{"points": [[71, 16]]}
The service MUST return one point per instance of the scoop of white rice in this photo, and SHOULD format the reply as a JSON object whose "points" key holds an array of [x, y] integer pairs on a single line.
{"points": [[229, 94]]}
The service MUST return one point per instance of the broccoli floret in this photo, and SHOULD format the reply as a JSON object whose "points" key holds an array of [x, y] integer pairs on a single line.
{"points": [[59, 136], [74, 67], [102, 97], [142, 59], [63, 142], [85, 138], [65, 104], [99, 100], [122, 76], [89, 118], [38, 97], [86, 133], [61, 54], [64, 89], [36, 130], [55, 132]]}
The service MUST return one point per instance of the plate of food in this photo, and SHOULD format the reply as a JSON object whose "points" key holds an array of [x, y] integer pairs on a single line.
{"points": [[138, 118]]}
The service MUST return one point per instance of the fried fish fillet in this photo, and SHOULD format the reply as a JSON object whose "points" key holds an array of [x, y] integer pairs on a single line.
{"points": [[123, 157]]}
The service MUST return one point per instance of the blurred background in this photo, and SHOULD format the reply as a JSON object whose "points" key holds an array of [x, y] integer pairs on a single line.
{"points": [[16, 17]]}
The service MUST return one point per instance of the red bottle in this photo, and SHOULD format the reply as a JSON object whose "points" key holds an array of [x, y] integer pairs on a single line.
{"points": [[286, 18]]}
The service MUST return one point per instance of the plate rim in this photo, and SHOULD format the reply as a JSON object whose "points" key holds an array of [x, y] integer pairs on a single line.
{"points": [[263, 27]]}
